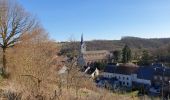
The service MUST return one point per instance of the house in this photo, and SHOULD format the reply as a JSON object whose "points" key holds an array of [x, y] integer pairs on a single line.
{"points": [[125, 74], [161, 75], [144, 76], [162, 79], [92, 71], [151, 75]]}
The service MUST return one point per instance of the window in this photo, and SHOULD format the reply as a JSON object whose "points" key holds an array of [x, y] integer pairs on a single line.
{"points": [[119, 77], [123, 83], [127, 78], [127, 83], [123, 78], [120, 83]]}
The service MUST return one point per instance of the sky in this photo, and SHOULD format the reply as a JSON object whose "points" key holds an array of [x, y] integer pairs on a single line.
{"points": [[101, 19]]}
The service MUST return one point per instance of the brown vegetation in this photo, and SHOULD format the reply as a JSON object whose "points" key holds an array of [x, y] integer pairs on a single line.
{"points": [[14, 22]]}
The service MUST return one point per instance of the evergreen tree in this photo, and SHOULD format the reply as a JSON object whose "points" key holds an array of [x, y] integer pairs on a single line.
{"points": [[145, 58], [126, 54]]}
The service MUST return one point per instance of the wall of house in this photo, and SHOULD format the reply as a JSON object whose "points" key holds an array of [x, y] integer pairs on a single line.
{"points": [[95, 73], [125, 80], [143, 81], [107, 75]]}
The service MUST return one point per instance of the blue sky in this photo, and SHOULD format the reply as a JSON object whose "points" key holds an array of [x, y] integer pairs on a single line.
{"points": [[101, 19]]}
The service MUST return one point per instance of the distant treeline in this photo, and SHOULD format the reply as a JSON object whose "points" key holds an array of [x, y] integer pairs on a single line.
{"points": [[158, 48], [132, 42]]}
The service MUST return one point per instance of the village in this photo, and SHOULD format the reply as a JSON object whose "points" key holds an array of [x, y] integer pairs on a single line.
{"points": [[152, 79], [84, 50]]}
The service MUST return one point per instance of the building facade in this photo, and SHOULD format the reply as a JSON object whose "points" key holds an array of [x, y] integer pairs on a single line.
{"points": [[125, 75], [143, 76]]}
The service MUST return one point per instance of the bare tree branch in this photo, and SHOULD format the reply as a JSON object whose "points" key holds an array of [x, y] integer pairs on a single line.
{"points": [[14, 22]]}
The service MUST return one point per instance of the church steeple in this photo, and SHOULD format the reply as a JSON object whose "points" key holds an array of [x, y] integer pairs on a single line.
{"points": [[83, 45], [82, 41]]}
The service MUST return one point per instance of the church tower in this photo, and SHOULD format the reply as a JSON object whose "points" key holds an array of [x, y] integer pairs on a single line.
{"points": [[82, 45], [81, 60]]}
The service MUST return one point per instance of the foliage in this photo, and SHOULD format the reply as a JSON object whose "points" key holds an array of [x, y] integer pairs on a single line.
{"points": [[117, 56], [126, 54], [145, 60], [14, 22], [31, 59], [162, 54], [99, 65], [13, 96], [69, 49]]}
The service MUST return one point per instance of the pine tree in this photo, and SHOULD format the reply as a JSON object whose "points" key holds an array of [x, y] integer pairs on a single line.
{"points": [[126, 54]]}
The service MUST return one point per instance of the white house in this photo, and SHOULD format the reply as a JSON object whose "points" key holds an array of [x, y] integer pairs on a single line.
{"points": [[92, 71], [124, 74], [129, 75]]}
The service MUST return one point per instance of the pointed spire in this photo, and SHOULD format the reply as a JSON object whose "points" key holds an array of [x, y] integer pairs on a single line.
{"points": [[83, 45], [82, 38]]}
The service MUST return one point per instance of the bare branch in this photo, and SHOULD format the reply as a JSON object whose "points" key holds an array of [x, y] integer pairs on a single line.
{"points": [[14, 22]]}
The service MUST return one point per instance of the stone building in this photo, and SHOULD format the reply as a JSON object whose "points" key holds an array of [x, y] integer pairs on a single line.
{"points": [[87, 58]]}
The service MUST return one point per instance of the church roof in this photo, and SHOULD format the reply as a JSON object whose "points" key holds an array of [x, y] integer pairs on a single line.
{"points": [[96, 55], [96, 52]]}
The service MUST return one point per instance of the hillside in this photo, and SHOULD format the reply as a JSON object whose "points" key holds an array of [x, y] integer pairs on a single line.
{"points": [[133, 42]]}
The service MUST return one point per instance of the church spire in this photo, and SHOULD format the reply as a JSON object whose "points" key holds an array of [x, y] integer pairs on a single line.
{"points": [[82, 41]]}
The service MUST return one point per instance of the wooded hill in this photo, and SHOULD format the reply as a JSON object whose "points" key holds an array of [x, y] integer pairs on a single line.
{"points": [[132, 42]]}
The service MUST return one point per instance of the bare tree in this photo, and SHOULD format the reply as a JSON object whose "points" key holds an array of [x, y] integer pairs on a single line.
{"points": [[14, 22], [31, 62]]}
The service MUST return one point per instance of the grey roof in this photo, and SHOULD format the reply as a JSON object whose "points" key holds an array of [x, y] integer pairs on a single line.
{"points": [[127, 70], [145, 72], [110, 68]]}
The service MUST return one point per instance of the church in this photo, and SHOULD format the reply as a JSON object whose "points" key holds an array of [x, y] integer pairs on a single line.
{"points": [[87, 58]]}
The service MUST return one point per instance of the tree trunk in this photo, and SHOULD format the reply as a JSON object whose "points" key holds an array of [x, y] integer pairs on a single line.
{"points": [[4, 61]]}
